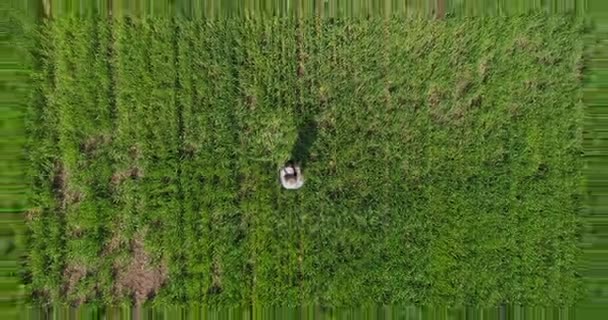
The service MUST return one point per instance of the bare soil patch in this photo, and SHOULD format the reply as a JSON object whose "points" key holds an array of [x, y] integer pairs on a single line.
{"points": [[251, 101], [64, 194], [60, 183], [434, 97], [139, 278], [483, 69], [463, 87], [116, 241], [216, 277], [135, 152], [119, 177], [32, 214], [72, 275], [92, 144]]}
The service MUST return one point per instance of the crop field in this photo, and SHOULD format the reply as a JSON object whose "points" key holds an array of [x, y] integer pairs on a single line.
{"points": [[442, 158]]}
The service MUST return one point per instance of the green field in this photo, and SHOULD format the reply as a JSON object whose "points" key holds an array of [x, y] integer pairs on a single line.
{"points": [[443, 161]]}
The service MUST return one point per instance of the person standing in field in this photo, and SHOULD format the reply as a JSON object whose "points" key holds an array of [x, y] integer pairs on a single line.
{"points": [[291, 176]]}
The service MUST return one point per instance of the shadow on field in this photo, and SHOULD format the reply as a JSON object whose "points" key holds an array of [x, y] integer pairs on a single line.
{"points": [[307, 134]]}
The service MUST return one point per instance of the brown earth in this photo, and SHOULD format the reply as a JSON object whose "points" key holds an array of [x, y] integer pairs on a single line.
{"points": [[72, 275], [139, 278]]}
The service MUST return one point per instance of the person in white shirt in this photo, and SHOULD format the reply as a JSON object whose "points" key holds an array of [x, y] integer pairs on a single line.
{"points": [[291, 177]]}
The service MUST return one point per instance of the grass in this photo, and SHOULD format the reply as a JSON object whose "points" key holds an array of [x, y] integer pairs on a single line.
{"points": [[443, 161], [14, 92]]}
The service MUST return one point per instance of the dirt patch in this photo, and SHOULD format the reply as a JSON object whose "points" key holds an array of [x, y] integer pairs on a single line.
{"points": [[483, 69], [522, 42], [216, 277], [439, 116], [76, 232], [33, 214], [514, 110], [251, 101], [525, 44], [388, 92], [73, 197], [548, 59], [434, 97], [92, 144], [72, 275], [457, 113], [463, 86], [139, 278], [190, 150], [63, 193], [475, 102], [534, 85], [301, 69], [119, 177], [116, 241], [60, 183], [135, 152], [136, 173]]}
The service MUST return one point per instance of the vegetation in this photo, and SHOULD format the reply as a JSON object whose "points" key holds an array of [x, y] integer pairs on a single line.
{"points": [[442, 161]]}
